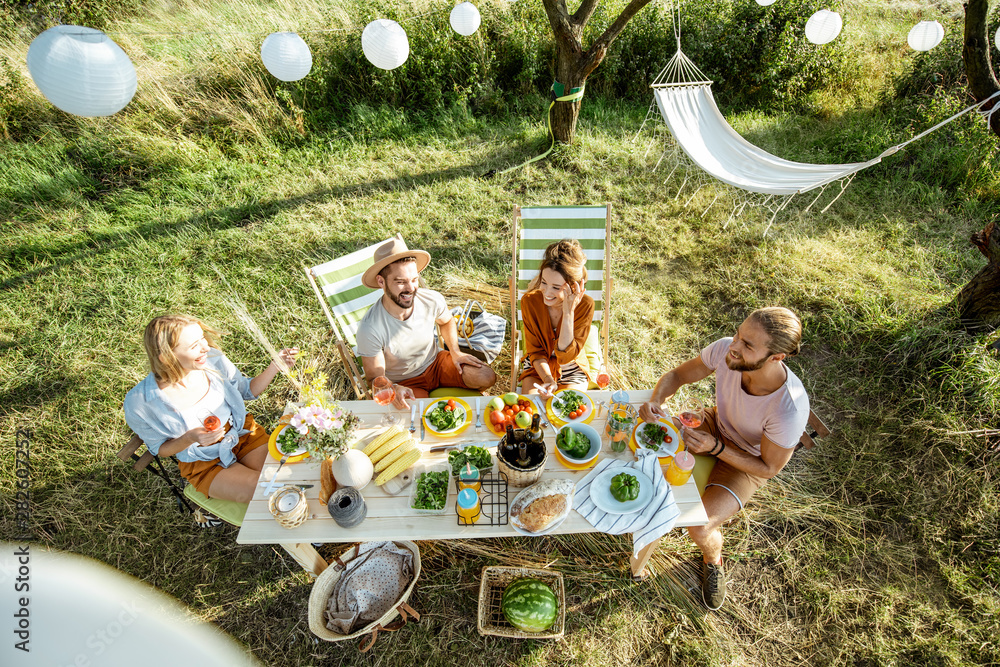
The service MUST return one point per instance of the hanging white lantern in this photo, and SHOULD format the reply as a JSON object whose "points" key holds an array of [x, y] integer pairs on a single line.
{"points": [[286, 56], [81, 71], [465, 19], [823, 27], [925, 35], [996, 39], [384, 43], [765, 3]]}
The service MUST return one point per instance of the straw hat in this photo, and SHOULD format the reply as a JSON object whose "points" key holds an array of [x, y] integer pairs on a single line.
{"points": [[389, 252]]}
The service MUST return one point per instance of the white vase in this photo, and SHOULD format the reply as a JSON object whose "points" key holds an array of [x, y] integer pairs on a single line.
{"points": [[353, 468]]}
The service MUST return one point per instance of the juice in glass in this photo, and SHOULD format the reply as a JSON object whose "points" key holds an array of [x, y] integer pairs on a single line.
{"points": [[680, 468], [467, 506]]}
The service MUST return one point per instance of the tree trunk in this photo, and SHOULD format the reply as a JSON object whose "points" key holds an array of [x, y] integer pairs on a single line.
{"points": [[979, 301], [976, 54]]}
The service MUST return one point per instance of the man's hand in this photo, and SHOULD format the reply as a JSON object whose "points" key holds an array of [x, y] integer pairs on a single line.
{"points": [[402, 395], [461, 359], [651, 412], [698, 442]]}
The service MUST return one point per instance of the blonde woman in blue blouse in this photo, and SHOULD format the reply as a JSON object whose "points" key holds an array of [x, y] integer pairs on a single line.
{"points": [[191, 379]]}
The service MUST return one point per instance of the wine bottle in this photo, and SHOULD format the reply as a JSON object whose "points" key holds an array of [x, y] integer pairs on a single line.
{"points": [[535, 435], [510, 444]]}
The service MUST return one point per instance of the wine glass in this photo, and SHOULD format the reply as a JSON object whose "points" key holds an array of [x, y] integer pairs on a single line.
{"points": [[692, 413], [208, 420], [603, 379], [383, 393]]}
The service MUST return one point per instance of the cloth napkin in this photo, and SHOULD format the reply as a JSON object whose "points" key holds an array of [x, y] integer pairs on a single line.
{"points": [[647, 525], [370, 586]]}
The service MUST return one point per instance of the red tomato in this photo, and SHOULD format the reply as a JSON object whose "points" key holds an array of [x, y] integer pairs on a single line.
{"points": [[496, 417], [582, 409], [574, 414], [451, 403], [668, 439], [527, 408], [449, 408]]}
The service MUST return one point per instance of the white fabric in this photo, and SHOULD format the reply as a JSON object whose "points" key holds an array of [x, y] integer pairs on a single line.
{"points": [[745, 419], [703, 133], [648, 524]]}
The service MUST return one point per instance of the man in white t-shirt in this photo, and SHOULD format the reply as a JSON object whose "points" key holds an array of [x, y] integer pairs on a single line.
{"points": [[760, 414], [396, 335]]}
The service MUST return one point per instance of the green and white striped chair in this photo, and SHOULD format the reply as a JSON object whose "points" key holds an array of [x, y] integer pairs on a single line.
{"points": [[534, 229], [345, 301]]}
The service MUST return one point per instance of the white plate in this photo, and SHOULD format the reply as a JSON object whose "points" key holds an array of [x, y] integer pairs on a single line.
{"points": [[600, 491], [301, 449], [558, 413], [546, 487], [665, 448], [459, 409]]}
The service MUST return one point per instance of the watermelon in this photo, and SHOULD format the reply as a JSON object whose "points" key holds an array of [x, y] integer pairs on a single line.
{"points": [[529, 605]]}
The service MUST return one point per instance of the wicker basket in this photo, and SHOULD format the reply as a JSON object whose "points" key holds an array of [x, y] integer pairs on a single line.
{"points": [[323, 588], [495, 581], [520, 476]]}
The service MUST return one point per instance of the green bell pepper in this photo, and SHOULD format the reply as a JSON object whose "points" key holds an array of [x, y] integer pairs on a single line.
{"points": [[624, 487]]}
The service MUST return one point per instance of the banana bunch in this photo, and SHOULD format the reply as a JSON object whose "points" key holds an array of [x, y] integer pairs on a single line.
{"points": [[391, 453]]}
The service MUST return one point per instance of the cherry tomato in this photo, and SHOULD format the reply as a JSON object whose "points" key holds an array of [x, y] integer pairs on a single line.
{"points": [[527, 408], [668, 439], [582, 409], [574, 414], [451, 403], [448, 408]]}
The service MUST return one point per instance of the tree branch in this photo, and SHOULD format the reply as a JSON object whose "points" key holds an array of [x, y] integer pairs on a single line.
{"points": [[584, 12], [562, 27], [976, 54], [595, 54]]}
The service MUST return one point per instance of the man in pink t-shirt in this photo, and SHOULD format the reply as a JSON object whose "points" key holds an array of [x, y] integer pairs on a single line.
{"points": [[760, 414]]}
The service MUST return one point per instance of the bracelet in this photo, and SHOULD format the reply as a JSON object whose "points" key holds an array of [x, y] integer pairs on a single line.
{"points": [[713, 452]]}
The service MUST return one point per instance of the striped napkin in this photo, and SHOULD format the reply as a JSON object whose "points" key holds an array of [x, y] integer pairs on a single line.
{"points": [[647, 525]]}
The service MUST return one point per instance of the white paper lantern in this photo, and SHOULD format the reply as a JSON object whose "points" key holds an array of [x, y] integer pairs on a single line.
{"points": [[286, 56], [465, 19], [823, 27], [996, 39], [81, 71], [385, 44], [765, 3], [925, 35]]}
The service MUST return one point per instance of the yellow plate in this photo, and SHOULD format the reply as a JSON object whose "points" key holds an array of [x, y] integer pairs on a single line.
{"points": [[502, 431], [575, 466], [556, 420], [666, 458], [272, 447], [470, 417]]}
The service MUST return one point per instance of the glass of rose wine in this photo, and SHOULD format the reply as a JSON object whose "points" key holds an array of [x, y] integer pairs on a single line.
{"points": [[603, 379], [383, 393], [692, 413]]}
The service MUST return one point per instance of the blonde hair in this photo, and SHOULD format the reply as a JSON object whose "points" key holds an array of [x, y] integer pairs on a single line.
{"points": [[566, 258], [783, 329], [160, 338]]}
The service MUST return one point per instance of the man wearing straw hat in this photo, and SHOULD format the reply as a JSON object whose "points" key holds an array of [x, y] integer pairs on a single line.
{"points": [[761, 410], [396, 335]]}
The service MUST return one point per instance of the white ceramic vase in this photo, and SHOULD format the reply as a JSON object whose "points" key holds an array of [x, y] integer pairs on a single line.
{"points": [[353, 468]]}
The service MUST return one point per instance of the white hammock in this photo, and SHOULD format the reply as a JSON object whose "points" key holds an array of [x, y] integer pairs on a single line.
{"points": [[685, 101]]}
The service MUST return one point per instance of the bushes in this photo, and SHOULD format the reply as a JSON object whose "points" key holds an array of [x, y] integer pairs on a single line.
{"points": [[40, 15]]}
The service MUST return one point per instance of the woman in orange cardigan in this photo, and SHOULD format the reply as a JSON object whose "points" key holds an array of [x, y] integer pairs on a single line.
{"points": [[557, 315]]}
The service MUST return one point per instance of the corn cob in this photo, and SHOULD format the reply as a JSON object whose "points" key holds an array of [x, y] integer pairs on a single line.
{"points": [[399, 466], [394, 455], [386, 447], [382, 439]]}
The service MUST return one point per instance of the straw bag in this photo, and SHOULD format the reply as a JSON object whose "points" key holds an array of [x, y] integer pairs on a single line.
{"points": [[327, 580]]}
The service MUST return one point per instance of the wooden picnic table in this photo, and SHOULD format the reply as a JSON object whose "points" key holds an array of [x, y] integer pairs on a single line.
{"points": [[389, 517]]}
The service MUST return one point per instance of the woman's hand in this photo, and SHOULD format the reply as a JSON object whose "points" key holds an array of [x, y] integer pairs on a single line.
{"points": [[201, 436], [572, 293], [547, 389], [288, 355]]}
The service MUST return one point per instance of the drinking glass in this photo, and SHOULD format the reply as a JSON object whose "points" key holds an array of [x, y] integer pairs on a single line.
{"points": [[383, 393], [603, 379], [208, 420], [692, 413]]}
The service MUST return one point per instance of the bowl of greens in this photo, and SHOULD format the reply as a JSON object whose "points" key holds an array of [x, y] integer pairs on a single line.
{"points": [[446, 416], [579, 444], [429, 491]]}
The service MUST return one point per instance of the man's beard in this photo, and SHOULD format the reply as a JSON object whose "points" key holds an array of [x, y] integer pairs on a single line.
{"points": [[742, 366], [396, 298]]}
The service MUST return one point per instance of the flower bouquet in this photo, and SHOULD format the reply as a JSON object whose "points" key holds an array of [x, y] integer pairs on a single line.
{"points": [[320, 427]]}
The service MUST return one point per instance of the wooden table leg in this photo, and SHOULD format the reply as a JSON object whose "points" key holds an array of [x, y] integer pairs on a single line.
{"points": [[306, 556], [639, 562]]}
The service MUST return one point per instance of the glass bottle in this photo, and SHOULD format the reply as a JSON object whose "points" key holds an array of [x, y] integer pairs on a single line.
{"points": [[535, 435]]}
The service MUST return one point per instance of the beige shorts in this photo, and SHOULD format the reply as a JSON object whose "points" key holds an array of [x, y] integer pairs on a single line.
{"points": [[741, 484]]}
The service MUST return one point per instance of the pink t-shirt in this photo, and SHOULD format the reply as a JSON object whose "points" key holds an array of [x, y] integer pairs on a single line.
{"points": [[745, 419]]}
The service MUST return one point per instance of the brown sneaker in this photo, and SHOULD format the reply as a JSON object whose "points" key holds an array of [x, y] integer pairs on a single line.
{"points": [[713, 585]]}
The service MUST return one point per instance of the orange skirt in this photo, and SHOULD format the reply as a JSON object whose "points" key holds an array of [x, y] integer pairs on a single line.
{"points": [[201, 473]]}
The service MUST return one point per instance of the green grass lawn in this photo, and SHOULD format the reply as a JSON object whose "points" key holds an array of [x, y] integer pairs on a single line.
{"points": [[879, 547]]}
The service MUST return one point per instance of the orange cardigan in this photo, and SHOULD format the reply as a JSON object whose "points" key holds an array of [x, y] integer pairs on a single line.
{"points": [[540, 339]]}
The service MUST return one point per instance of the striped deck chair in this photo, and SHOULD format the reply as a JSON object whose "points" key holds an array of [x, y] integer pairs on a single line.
{"points": [[534, 229], [345, 301]]}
